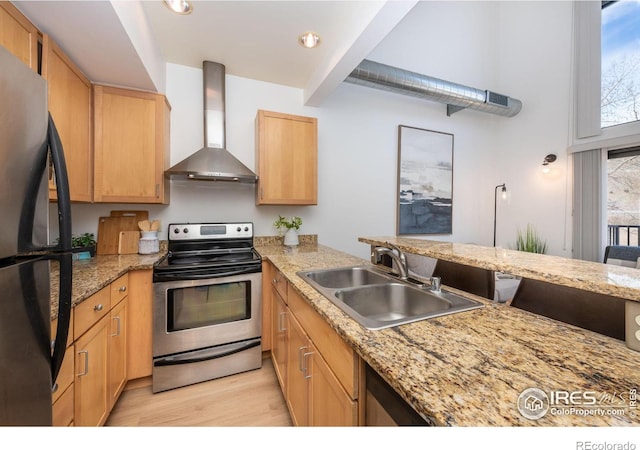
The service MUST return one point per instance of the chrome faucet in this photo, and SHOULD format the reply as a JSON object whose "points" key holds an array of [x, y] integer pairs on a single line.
{"points": [[396, 254]]}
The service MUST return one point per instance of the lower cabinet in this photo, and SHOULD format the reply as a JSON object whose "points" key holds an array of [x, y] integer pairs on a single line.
{"points": [[299, 373], [94, 370], [318, 372], [117, 352], [279, 327], [92, 375]]}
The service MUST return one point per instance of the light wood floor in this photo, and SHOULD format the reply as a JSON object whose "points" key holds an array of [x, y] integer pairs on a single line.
{"points": [[251, 399]]}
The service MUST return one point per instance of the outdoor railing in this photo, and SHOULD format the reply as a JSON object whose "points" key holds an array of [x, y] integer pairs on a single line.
{"points": [[623, 234]]}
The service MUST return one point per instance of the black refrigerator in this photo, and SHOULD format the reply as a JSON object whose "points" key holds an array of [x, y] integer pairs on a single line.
{"points": [[29, 142]]}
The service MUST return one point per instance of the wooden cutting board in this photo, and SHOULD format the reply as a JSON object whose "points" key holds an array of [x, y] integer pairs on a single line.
{"points": [[108, 235], [128, 242], [129, 219]]}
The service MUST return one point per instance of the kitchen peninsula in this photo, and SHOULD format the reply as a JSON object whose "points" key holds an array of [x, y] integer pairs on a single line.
{"points": [[469, 369]]}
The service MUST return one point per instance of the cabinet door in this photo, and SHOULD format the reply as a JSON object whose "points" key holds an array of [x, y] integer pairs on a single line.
{"points": [[70, 106], [279, 325], [298, 373], [131, 146], [18, 35], [117, 352], [92, 371], [139, 331], [330, 405], [287, 159]]}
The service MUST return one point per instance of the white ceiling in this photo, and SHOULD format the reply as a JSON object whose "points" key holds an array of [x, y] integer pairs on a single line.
{"points": [[253, 39]]}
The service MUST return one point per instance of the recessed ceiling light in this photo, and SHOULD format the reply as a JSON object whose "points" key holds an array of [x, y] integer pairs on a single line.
{"points": [[179, 6], [310, 39]]}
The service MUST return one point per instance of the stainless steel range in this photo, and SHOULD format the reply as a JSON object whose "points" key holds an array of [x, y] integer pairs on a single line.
{"points": [[207, 305]]}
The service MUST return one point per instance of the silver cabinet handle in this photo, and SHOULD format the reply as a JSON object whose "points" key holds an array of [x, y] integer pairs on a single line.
{"points": [[117, 318], [275, 280], [122, 289], [301, 358], [280, 322], [86, 363], [98, 307], [306, 367]]}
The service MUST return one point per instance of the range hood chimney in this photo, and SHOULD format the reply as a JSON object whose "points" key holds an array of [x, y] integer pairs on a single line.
{"points": [[213, 162]]}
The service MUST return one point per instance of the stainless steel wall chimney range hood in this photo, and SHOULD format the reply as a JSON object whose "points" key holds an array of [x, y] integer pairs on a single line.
{"points": [[213, 162]]}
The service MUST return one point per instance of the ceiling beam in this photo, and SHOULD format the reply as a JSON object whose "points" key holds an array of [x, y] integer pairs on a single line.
{"points": [[341, 64]]}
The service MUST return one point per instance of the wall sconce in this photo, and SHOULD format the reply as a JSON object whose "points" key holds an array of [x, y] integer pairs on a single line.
{"points": [[548, 160], [495, 207]]}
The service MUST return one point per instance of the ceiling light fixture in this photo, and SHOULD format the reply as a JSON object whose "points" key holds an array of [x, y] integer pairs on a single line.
{"points": [[548, 160], [310, 39], [179, 6]]}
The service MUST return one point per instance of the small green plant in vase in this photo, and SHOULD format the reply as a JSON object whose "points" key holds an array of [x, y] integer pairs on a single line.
{"points": [[290, 229], [85, 241]]}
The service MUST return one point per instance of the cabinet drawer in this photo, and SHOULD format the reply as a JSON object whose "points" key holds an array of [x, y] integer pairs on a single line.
{"points": [[119, 289], [63, 409], [280, 283], [66, 375], [340, 357], [91, 310]]}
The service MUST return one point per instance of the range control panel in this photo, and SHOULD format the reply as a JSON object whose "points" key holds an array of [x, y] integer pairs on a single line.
{"points": [[210, 231]]}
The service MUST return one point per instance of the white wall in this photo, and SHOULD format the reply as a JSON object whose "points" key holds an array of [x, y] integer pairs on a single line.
{"points": [[357, 139]]}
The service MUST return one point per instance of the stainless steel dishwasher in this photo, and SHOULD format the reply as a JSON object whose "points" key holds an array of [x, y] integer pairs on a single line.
{"points": [[384, 406]]}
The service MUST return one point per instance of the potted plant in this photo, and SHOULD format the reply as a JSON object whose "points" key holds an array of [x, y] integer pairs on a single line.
{"points": [[291, 226], [84, 243], [530, 241]]}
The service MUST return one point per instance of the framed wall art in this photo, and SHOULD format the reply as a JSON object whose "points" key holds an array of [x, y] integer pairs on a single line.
{"points": [[425, 181]]}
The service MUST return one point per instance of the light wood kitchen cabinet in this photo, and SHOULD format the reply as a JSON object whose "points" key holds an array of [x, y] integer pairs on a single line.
{"points": [[62, 395], [69, 96], [279, 339], [18, 35], [92, 375], [100, 327], [299, 373], [131, 146], [139, 327], [318, 372], [286, 159], [330, 405], [117, 351]]}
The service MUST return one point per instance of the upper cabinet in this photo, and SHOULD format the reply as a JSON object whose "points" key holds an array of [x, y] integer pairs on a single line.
{"points": [[287, 159], [131, 145], [70, 106], [18, 35]]}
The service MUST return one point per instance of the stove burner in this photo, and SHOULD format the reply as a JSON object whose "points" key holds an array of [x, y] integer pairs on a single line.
{"points": [[208, 249]]}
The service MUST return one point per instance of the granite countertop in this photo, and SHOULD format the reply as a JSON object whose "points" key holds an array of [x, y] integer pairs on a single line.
{"points": [[468, 369], [91, 275], [606, 279]]}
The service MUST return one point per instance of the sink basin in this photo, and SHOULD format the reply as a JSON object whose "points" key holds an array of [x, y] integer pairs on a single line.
{"points": [[345, 277], [378, 300]]}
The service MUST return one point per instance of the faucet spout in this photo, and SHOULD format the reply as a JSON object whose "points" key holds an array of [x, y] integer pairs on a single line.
{"points": [[396, 255]]}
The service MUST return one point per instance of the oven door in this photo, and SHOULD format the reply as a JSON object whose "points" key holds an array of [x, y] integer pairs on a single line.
{"points": [[194, 314]]}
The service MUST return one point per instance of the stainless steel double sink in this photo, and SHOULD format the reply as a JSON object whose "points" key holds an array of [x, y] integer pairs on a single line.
{"points": [[377, 300]]}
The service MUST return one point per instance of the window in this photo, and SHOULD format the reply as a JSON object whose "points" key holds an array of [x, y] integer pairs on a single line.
{"points": [[620, 62], [623, 196]]}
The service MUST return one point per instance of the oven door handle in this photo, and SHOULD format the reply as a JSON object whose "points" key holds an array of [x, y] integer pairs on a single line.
{"points": [[202, 356], [202, 276]]}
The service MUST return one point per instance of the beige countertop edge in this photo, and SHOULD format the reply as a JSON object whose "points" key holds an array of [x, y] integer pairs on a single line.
{"points": [[623, 282], [468, 369], [91, 275]]}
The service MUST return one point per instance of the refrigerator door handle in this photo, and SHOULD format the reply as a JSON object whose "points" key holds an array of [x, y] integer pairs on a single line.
{"points": [[62, 187], [64, 314]]}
